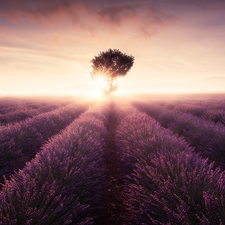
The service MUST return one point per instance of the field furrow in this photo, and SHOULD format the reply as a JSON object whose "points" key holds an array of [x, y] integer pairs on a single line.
{"points": [[112, 213]]}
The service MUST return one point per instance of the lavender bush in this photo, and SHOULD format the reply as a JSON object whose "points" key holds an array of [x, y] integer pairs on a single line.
{"points": [[22, 114], [21, 141], [10, 108], [207, 137], [209, 110], [62, 184], [215, 115], [166, 182], [17, 116]]}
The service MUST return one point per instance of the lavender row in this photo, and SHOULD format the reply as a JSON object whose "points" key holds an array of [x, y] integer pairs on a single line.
{"points": [[213, 111], [165, 181], [19, 104], [11, 102], [206, 137], [11, 108], [22, 114], [17, 116], [211, 103], [8, 105], [21, 141], [63, 183], [215, 115]]}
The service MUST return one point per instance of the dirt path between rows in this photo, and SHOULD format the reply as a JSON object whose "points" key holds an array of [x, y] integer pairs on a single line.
{"points": [[112, 197]]}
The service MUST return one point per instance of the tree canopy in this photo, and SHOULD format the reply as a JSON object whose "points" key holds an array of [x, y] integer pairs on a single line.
{"points": [[109, 65]]}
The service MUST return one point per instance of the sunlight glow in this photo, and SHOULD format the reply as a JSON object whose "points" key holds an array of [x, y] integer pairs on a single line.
{"points": [[100, 80]]}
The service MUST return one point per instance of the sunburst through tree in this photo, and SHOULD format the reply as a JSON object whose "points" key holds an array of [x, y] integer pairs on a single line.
{"points": [[110, 65]]}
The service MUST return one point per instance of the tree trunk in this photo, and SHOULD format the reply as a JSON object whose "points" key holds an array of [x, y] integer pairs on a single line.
{"points": [[110, 85]]}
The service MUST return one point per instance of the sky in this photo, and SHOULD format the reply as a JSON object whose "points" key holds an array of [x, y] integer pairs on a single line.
{"points": [[47, 46]]}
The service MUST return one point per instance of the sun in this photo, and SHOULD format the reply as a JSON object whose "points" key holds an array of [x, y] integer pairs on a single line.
{"points": [[100, 80]]}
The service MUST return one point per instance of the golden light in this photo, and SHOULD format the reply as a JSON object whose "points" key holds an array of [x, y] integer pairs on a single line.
{"points": [[100, 80]]}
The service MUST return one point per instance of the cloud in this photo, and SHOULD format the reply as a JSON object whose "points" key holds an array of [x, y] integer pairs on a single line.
{"points": [[82, 16], [116, 14]]}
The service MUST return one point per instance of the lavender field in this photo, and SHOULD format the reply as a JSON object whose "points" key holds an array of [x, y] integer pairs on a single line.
{"points": [[146, 160]]}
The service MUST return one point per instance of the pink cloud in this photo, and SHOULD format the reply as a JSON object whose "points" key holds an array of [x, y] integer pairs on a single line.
{"points": [[116, 14], [85, 17]]}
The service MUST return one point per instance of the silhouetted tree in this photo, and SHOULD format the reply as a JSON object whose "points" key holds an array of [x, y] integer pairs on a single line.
{"points": [[109, 65]]}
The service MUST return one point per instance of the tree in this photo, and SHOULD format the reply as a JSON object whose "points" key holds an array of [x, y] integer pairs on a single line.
{"points": [[109, 65]]}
